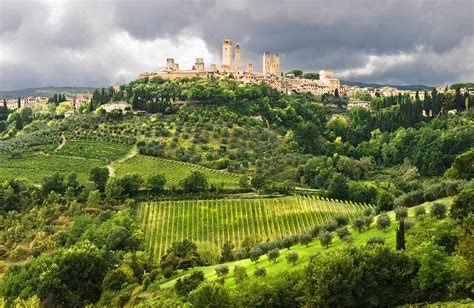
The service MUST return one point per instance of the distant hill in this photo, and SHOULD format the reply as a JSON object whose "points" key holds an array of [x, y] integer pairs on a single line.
{"points": [[416, 87], [46, 91]]}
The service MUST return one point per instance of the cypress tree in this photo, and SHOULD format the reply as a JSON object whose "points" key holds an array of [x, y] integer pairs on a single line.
{"points": [[19, 102], [401, 235]]}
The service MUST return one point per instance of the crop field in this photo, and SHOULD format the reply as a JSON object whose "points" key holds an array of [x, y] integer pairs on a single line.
{"points": [[91, 149], [216, 221], [36, 167], [174, 171]]}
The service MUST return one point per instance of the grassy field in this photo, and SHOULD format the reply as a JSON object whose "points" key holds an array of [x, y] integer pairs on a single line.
{"points": [[304, 253], [105, 151], [216, 221], [36, 167], [174, 171]]}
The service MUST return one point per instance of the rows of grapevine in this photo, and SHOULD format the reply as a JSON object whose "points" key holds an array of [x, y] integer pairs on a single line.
{"points": [[217, 221], [103, 150], [174, 171], [35, 167]]}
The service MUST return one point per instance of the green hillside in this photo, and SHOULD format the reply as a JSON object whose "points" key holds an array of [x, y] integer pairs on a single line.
{"points": [[275, 269]]}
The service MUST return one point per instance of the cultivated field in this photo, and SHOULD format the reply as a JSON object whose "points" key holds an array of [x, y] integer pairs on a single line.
{"points": [[174, 171], [217, 221], [92, 149], [36, 167]]}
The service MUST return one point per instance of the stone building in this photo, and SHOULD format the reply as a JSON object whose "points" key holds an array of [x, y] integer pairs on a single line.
{"points": [[237, 62], [226, 55]]}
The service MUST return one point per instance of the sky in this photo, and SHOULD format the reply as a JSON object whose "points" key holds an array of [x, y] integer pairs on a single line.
{"points": [[103, 42]]}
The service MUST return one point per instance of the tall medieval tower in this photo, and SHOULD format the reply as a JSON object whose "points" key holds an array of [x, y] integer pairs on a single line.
{"points": [[227, 55], [237, 64], [266, 63]]}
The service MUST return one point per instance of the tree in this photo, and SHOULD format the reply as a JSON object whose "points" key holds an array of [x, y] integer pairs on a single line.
{"points": [[244, 182], [69, 277], [255, 254], [295, 72], [222, 270], [308, 137], [210, 295], [63, 108], [438, 210], [240, 273], [384, 201], [343, 232], [325, 239], [196, 182], [419, 211], [260, 272], [338, 187], [286, 242], [305, 239], [401, 213], [226, 253], [401, 235], [292, 257], [359, 224], [383, 221], [181, 255], [273, 254], [258, 181], [156, 183], [99, 175], [463, 204]]}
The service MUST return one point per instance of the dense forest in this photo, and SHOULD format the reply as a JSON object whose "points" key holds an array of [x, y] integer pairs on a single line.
{"points": [[388, 192]]}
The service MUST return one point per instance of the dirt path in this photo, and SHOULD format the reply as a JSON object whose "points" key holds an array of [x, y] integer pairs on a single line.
{"points": [[133, 152], [63, 142]]}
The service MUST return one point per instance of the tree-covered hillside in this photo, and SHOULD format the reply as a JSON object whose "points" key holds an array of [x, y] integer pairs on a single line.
{"points": [[203, 172]]}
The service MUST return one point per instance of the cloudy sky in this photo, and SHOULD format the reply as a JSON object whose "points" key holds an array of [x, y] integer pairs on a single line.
{"points": [[102, 42]]}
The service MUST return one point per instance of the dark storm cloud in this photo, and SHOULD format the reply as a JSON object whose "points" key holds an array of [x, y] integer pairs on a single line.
{"points": [[96, 42]]}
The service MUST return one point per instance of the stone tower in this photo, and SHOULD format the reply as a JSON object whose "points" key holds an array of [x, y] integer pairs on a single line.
{"points": [[266, 63], [249, 68], [227, 54], [237, 64], [276, 62], [199, 64]]}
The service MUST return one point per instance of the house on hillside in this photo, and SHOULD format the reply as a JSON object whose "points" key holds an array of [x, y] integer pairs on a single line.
{"points": [[122, 106]]}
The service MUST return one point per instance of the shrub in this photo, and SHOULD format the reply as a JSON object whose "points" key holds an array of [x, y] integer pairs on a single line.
{"points": [[255, 254], [408, 224], [368, 221], [368, 212], [240, 273], [146, 283], [222, 270], [305, 239], [292, 257], [463, 204], [260, 272], [341, 220], [376, 240], [186, 285], [286, 242], [273, 254], [419, 211], [210, 295], [401, 213], [240, 254], [359, 224], [325, 239], [383, 222], [168, 272], [343, 232], [438, 210]]}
